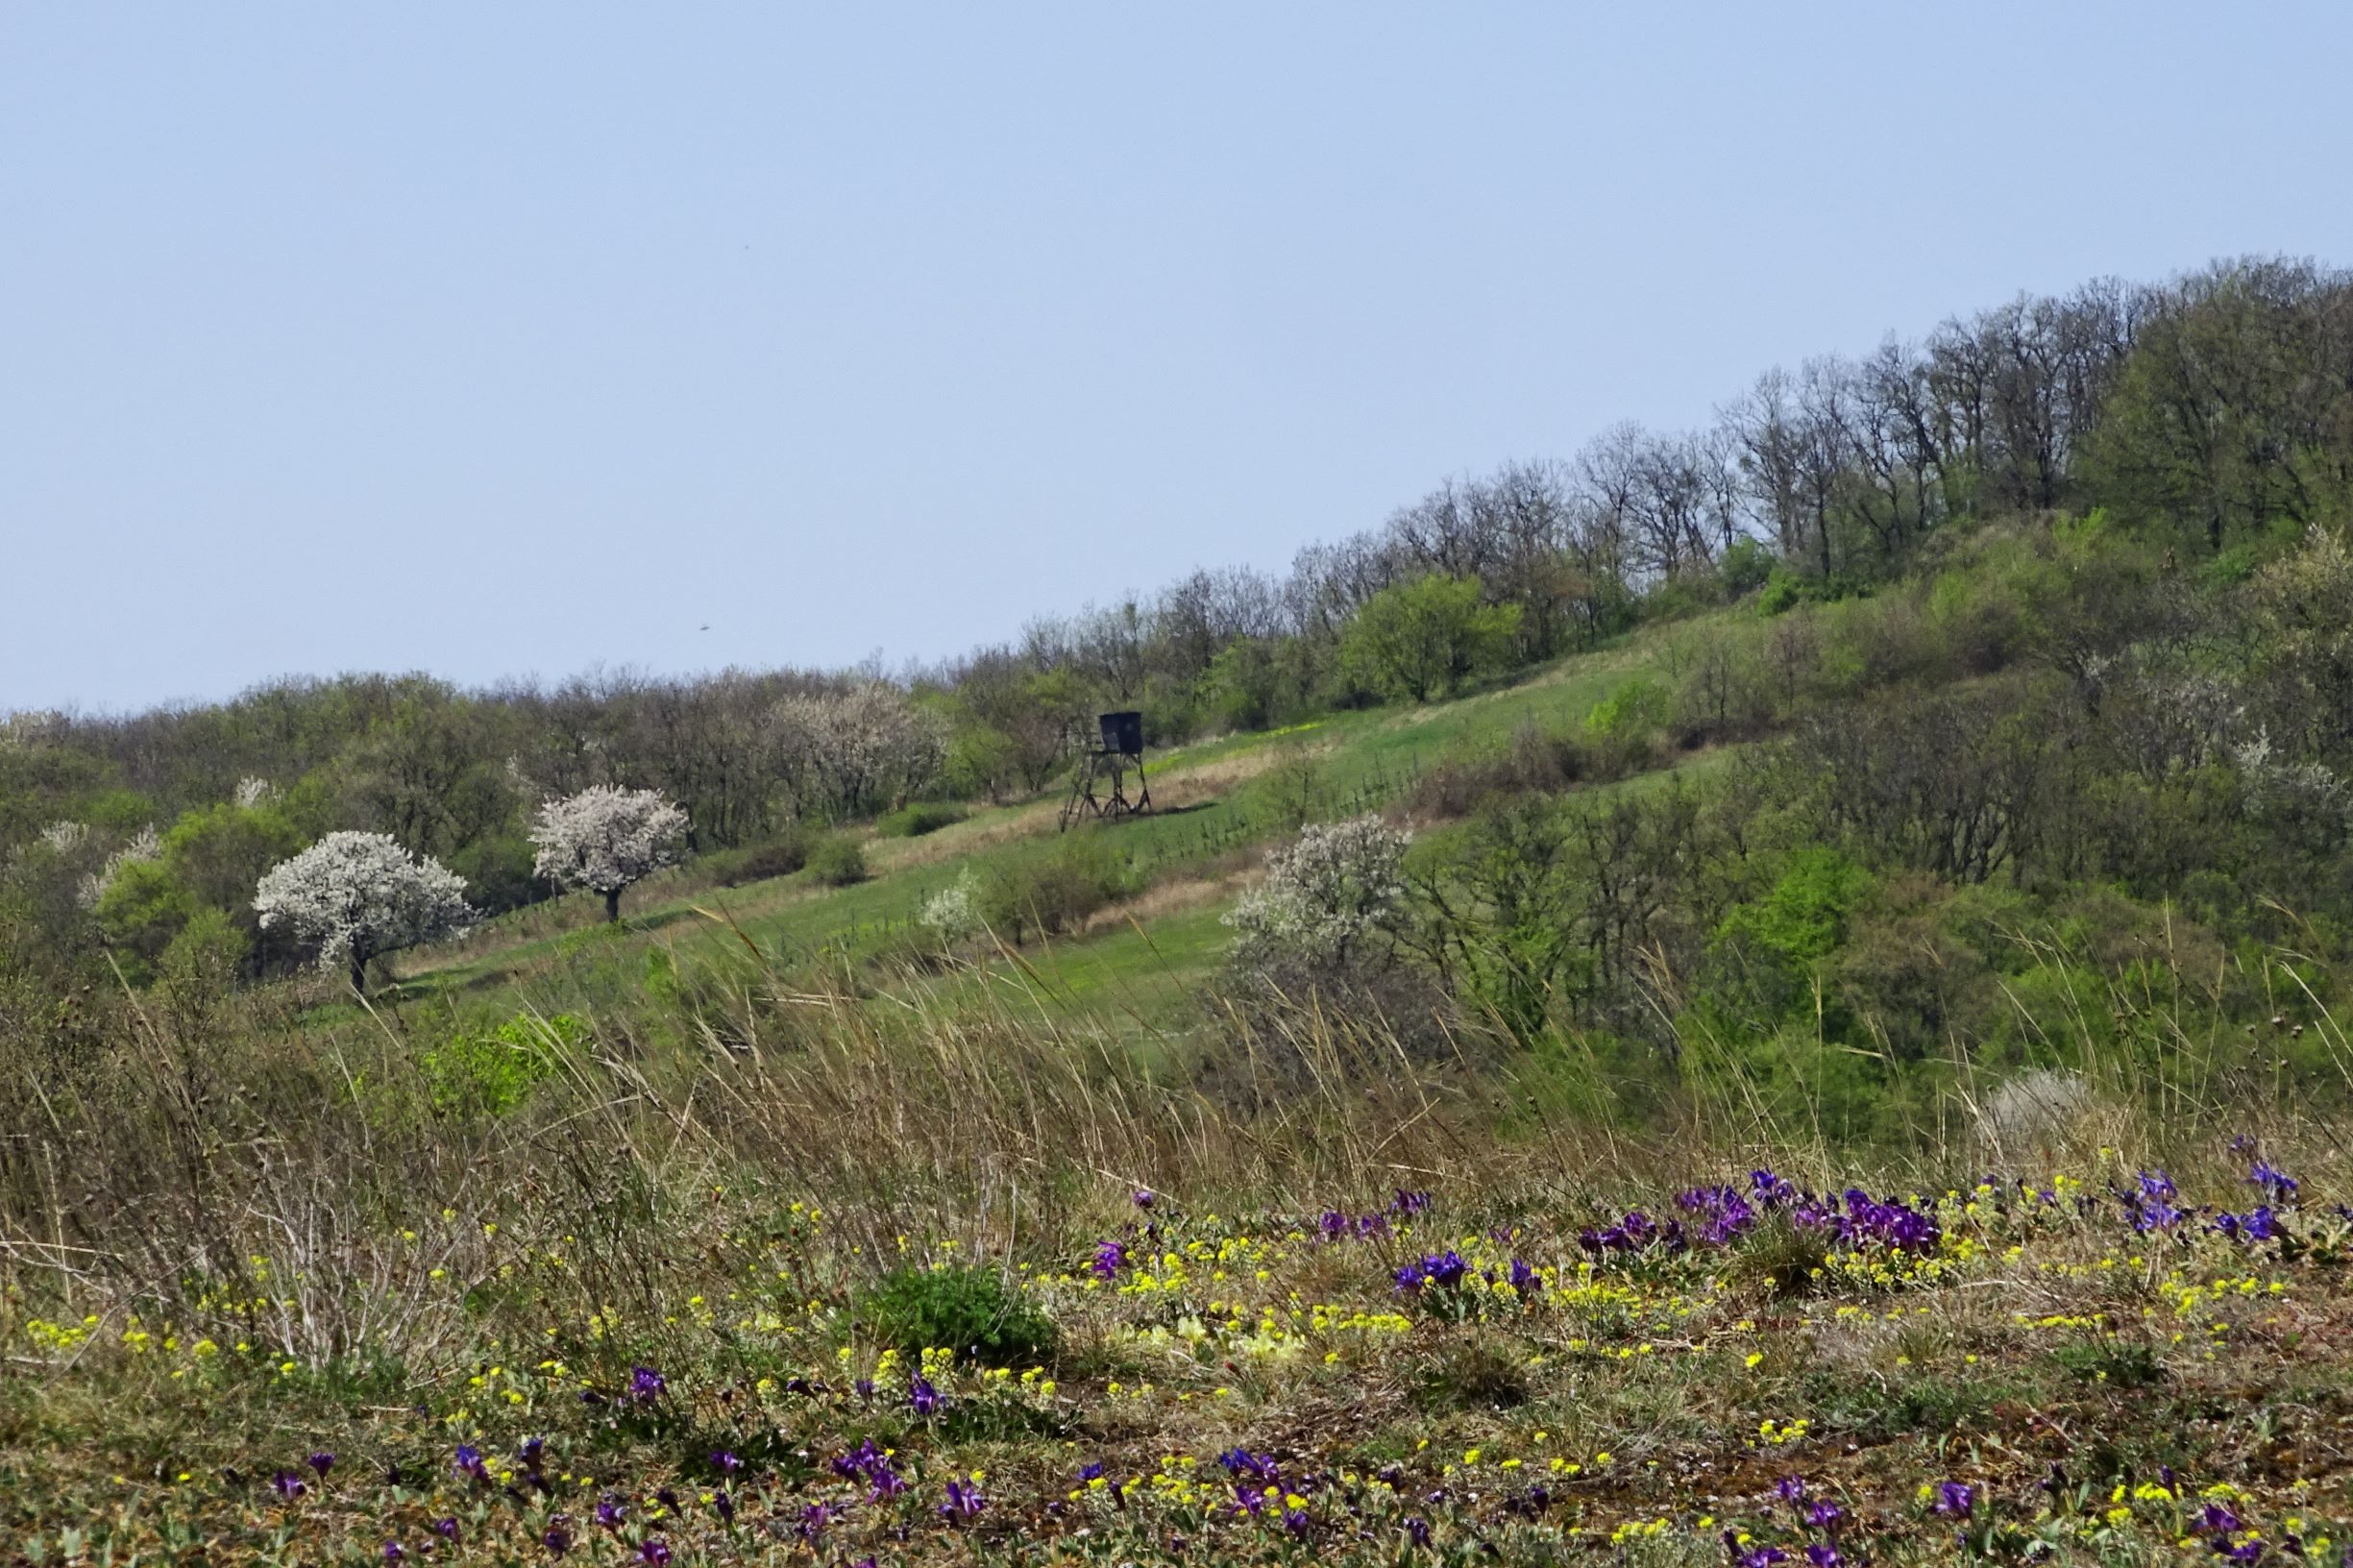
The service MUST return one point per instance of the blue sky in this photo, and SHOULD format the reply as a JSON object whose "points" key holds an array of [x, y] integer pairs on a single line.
{"points": [[507, 339]]}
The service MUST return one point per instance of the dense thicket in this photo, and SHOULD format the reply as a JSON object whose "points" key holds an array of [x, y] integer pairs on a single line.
{"points": [[2132, 693]]}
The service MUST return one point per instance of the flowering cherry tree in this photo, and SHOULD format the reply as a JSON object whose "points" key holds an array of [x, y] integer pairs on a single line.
{"points": [[353, 896], [849, 754], [1324, 894], [605, 838]]}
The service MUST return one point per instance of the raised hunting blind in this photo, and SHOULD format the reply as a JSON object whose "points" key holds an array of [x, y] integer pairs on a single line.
{"points": [[1100, 788]]}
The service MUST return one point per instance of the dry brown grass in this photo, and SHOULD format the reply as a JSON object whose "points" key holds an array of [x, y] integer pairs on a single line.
{"points": [[1170, 897]]}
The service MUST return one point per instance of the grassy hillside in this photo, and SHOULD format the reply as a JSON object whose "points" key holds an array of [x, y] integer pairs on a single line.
{"points": [[1217, 807], [767, 1226], [1849, 1067]]}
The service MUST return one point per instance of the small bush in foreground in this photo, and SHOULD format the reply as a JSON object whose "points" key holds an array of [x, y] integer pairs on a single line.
{"points": [[964, 1310], [493, 1072]]}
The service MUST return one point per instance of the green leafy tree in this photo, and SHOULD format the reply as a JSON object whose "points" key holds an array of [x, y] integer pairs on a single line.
{"points": [[219, 852], [2235, 409], [144, 907], [1423, 639]]}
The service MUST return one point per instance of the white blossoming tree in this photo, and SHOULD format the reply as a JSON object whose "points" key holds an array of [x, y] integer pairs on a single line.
{"points": [[354, 896], [605, 838], [849, 753], [1324, 894], [953, 913], [145, 845]]}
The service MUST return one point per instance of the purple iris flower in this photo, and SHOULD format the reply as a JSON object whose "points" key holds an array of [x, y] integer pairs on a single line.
{"points": [[1245, 1465], [322, 1462], [2150, 1207], [871, 1464], [646, 1385], [653, 1552], [1956, 1498], [2217, 1519], [1720, 1212], [469, 1463], [557, 1536], [1110, 1258], [1632, 1233], [1444, 1269], [2257, 1224], [965, 1502], [287, 1485], [1868, 1221], [921, 1397], [2276, 1184]]}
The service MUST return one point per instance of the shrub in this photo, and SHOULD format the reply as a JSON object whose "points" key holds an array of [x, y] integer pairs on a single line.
{"points": [[1745, 566], [1622, 725], [922, 818], [965, 1310], [1056, 893], [1474, 1375], [2118, 1363], [837, 861], [490, 1074], [778, 857], [1297, 786], [1536, 762], [202, 961], [1638, 706], [1323, 895], [954, 912]]}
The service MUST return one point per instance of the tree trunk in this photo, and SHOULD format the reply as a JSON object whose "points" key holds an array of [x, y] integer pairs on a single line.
{"points": [[612, 905], [360, 972]]}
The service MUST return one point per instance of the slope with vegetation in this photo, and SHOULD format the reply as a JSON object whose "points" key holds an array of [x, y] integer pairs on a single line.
{"points": [[1771, 991]]}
